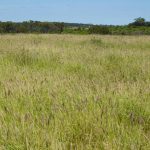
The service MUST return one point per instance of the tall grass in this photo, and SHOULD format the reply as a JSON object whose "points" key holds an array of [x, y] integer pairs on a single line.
{"points": [[74, 92]]}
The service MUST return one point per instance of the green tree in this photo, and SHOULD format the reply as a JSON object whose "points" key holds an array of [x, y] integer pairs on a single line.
{"points": [[139, 20], [99, 30]]}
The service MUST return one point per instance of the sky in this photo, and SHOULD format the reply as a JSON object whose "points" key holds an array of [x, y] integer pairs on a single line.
{"points": [[116, 12]]}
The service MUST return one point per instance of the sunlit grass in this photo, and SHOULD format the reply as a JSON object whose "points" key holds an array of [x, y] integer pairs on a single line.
{"points": [[74, 92]]}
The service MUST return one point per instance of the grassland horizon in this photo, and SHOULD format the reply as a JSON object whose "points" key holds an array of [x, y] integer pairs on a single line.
{"points": [[74, 92]]}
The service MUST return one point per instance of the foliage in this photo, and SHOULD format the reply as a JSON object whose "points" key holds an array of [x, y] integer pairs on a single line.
{"points": [[75, 30], [99, 30], [140, 22], [31, 27], [139, 27]]}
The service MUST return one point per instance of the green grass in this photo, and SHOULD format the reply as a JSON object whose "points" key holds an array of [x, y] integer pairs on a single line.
{"points": [[74, 92]]}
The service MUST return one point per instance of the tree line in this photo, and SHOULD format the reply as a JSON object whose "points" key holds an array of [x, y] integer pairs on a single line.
{"points": [[139, 26], [31, 27]]}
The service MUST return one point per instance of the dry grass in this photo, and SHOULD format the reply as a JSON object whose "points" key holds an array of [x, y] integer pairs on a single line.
{"points": [[74, 92]]}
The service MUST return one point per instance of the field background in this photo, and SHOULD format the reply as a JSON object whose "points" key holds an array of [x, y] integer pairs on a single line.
{"points": [[74, 92]]}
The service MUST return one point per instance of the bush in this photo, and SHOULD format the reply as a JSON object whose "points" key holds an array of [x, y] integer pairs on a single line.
{"points": [[99, 30]]}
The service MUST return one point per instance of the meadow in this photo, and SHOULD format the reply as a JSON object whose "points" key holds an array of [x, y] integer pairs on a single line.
{"points": [[75, 92]]}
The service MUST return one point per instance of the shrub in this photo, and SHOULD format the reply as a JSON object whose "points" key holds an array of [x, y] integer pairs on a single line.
{"points": [[99, 30]]}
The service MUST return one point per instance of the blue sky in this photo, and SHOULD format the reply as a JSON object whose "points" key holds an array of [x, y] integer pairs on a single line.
{"points": [[78, 11]]}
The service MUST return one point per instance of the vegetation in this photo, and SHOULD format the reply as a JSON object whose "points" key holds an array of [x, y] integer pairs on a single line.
{"points": [[31, 27], [99, 30], [139, 27], [74, 92], [140, 22]]}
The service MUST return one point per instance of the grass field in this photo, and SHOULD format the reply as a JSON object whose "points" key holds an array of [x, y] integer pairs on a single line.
{"points": [[74, 92]]}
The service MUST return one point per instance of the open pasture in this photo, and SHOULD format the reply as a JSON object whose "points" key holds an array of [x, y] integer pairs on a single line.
{"points": [[74, 92]]}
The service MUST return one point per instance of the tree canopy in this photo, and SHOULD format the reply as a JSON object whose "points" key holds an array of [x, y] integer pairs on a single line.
{"points": [[138, 26]]}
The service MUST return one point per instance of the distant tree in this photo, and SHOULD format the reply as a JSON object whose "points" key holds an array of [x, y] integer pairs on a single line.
{"points": [[139, 20], [31, 27], [8, 27], [60, 26], [99, 30], [139, 26]]}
